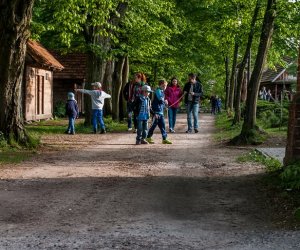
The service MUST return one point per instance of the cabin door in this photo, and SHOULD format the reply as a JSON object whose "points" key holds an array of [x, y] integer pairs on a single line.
{"points": [[40, 86]]}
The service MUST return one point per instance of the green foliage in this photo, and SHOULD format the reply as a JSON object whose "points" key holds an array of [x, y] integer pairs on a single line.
{"points": [[59, 109], [272, 115], [291, 176], [3, 142], [272, 165]]}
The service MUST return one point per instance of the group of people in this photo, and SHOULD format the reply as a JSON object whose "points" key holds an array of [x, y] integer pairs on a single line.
{"points": [[216, 104], [265, 94], [140, 107]]}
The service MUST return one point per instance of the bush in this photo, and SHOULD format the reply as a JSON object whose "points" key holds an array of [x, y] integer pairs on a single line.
{"points": [[60, 109], [272, 115], [3, 142], [291, 176]]}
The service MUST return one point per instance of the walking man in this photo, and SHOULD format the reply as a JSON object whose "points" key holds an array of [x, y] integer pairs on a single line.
{"points": [[193, 91]]}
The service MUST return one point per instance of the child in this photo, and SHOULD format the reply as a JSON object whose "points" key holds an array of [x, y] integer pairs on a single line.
{"points": [[144, 104], [71, 112], [158, 105], [98, 96]]}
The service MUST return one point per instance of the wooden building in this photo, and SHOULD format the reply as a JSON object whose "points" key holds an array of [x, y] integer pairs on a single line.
{"points": [[75, 70], [279, 81], [38, 87]]}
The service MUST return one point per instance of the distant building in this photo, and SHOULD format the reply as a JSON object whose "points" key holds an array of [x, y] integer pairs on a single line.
{"points": [[38, 79], [279, 81]]}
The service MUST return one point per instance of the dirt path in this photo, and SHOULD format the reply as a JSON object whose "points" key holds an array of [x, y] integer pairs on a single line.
{"points": [[104, 192]]}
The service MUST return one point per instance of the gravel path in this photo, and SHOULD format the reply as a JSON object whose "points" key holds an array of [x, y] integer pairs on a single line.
{"points": [[104, 192]]}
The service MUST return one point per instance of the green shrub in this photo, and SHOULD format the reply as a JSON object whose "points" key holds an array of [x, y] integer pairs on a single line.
{"points": [[3, 142], [60, 109], [291, 176], [272, 115]]}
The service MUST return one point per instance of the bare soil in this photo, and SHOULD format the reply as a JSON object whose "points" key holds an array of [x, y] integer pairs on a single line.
{"points": [[105, 192]]}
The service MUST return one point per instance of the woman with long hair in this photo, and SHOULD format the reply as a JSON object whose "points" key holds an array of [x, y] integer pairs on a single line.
{"points": [[173, 94]]}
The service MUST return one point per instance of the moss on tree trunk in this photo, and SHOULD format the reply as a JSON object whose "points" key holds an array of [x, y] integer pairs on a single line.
{"points": [[15, 16]]}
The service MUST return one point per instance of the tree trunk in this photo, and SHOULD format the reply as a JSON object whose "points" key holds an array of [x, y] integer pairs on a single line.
{"points": [[240, 77], [15, 16], [249, 129], [227, 83], [107, 82], [125, 77], [96, 70], [116, 88], [233, 76]]}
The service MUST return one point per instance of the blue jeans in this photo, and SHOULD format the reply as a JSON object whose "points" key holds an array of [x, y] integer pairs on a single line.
{"points": [[97, 117], [71, 126], [172, 117], [192, 109], [142, 129], [160, 121]]}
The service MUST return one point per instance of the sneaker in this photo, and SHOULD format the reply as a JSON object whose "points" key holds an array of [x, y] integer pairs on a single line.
{"points": [[172, 130], [94, 132], [103, 131], [188, 131], [129, 129], [138, 142], [196, 130], [135, 130], [67, 132], [72, 133], [150, 140], [166, 141], [143, 141]]}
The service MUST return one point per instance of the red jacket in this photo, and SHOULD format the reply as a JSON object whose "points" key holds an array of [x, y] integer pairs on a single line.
{"points": [[172, 94]]}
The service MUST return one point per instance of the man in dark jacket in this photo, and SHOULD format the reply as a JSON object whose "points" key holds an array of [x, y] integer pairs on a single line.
{"points": [[193, 91]]}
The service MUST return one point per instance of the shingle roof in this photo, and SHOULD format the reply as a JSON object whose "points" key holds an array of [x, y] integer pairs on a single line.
{"points": [[270, 75], [42, 56]]}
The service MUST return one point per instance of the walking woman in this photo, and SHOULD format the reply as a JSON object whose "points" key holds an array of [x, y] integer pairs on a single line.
{"points": [[173, 94]]}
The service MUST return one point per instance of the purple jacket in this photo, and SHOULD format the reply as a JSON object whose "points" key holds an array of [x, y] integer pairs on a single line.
{"points": [[172, 95]]}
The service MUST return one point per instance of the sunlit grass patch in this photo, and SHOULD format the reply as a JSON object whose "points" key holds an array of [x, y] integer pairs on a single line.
{"points": [[225, 128], [59, 126], [271, 164]]}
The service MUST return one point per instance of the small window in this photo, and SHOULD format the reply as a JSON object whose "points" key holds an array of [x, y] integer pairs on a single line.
{"points": [[47, 76]]}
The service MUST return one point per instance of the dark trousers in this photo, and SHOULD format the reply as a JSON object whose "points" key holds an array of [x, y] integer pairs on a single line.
{"points": [[158, 120]]}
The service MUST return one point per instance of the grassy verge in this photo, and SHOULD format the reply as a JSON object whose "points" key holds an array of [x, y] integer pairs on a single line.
{"points": [[271, 164], [59, 126], [16, 154], [225, 129]]}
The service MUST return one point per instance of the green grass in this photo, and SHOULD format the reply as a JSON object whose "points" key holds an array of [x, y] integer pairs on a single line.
{"points": [[9, 155], [271, 164], [59, 126], [225, 129]]}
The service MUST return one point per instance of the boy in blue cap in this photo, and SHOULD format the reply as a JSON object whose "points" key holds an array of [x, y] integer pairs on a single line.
{"points": [[144, 104]]}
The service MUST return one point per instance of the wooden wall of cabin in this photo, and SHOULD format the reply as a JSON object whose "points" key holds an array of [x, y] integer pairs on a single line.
{"points": [[38, 94]]}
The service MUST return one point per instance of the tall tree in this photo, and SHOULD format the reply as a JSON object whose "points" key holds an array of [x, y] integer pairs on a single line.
{"points": [[250, 129], [15, 16], [242, 66]]}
